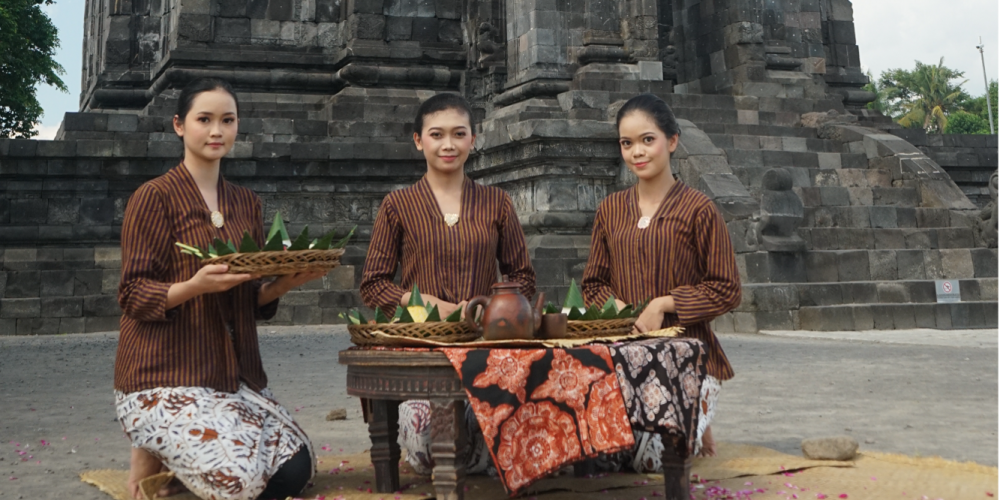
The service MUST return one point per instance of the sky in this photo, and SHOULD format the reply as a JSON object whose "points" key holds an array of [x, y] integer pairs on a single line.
{"points": [[890, 33]]}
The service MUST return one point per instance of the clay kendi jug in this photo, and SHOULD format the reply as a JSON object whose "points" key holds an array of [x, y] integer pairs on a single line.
{"points": [[506, 313]]}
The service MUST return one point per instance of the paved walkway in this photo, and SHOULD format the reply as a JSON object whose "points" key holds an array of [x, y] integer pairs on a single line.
{"points": [[925, 393]]}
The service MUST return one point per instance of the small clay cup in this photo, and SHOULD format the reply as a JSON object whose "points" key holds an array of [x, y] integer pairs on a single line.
{"points": [[553, 326]]}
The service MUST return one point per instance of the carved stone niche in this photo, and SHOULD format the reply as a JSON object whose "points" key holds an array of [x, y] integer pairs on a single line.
{"points": [[781, 213], [988, 224]]}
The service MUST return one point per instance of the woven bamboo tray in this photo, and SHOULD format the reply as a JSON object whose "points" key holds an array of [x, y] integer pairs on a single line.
{"points": [[438, 331], [599, 328], [279, 263]]}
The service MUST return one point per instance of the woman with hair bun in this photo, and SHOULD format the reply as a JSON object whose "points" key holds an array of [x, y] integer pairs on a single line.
{"points": [[663, 240], [191, 393]]}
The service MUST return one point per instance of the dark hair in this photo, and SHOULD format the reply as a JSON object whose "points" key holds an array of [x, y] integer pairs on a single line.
{"points": [[655, 109], [199, 85], [442, 102]]}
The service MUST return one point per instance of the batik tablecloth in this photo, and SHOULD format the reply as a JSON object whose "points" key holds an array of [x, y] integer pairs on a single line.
{"points": [[541, 409]]}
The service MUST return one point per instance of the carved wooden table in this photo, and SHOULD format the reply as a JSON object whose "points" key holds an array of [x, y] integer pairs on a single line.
{"points": [[387, 378]]}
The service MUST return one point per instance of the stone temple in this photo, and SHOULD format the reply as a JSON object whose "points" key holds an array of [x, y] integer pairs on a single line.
{"points": [[840, 220]]}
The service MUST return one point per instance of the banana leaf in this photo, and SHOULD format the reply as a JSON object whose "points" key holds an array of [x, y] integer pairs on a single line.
{"points": [[353, 316], [302, 242], [278, 228], [610, 309], [454, 317], [551, 308], [324, 242], [274, 244], [248, 245], [434, 314], [399, 314], [405, 317], [222, 248], [593, 312], [343, 242], [574, 299], [625, 313], [380, 316], [415, 298], [575, 314]]}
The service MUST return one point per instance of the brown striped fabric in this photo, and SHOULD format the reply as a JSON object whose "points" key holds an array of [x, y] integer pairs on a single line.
{"points": [[191, 345], [685, 252], [451, 263]]}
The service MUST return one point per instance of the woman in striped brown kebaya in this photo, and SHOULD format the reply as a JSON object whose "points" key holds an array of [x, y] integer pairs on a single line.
{"points": [[190, 390], [663, 240], [451, 236]]}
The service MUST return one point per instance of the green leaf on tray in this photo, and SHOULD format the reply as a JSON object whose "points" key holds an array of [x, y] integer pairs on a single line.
{"points": [[625, 313], [593, 312], [302, 242], [380, 316], [222, 248], [551, 308], [190, 250], [455, 316], [398, 315], [248, 245], [610, 309], [274, 244], [574, 299], [405, 317], [278, 228], [353, 316], [434, 314], [343, 241], [415, 298], [324, 242], [575, 314]]}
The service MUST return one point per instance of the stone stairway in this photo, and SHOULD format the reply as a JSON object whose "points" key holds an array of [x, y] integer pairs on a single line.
{"points": [[873, 247]]}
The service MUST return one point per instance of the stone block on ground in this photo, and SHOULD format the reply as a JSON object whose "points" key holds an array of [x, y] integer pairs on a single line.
{"points": [[830, 448]]}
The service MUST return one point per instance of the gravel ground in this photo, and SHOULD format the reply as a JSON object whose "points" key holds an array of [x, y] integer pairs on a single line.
{"points": [[913, 396]]}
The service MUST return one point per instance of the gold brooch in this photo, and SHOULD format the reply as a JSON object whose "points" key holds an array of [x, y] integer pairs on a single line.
{"points": [[643, 223], [451, 219]]}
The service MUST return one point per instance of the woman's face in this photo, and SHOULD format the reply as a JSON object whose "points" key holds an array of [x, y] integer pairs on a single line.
{"points": [[209, 129], [446, 140], [645, 148]]}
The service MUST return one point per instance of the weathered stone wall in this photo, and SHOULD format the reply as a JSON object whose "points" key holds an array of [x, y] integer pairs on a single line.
{"points": [[970, 160]]}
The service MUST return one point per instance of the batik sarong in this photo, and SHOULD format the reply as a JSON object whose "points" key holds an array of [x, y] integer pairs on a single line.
{"points": [[219, 444], [542, 409], [415, 438]]}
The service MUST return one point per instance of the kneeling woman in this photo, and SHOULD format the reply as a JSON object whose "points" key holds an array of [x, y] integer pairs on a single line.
{"points": [[663, 240], [190, 389], [450, 235]]}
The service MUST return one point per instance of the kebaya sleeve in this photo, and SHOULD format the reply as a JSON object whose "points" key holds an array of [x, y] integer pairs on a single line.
{"points": [[512, 250], [596, 285], [377, 288], [719, 292], [147, 245]]}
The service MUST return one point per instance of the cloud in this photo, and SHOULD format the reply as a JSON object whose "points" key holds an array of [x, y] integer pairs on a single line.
{"points": [[47, 132]]}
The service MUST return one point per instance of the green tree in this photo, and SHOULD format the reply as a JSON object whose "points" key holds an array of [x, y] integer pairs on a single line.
{"points": [[28, 41], [923, 97], [963, 122]]}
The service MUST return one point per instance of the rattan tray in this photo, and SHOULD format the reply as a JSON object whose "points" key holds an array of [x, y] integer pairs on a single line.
{"points": [[599, 328], [437, 331], [278, 263]]}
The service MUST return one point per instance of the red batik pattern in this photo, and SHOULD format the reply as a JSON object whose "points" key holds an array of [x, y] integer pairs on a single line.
{"points": [[541, 409]]}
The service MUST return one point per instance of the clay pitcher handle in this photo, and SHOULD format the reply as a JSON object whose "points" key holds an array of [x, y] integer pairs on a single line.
{"points": [[470, 312], [539, 305]]}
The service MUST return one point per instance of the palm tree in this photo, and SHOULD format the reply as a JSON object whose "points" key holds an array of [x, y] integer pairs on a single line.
{"points": [[930, 96]]}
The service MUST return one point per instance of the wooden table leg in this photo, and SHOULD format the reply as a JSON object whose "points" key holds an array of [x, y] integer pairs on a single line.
{"points": [[383, 428], [676, 469], [448, 448]]}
